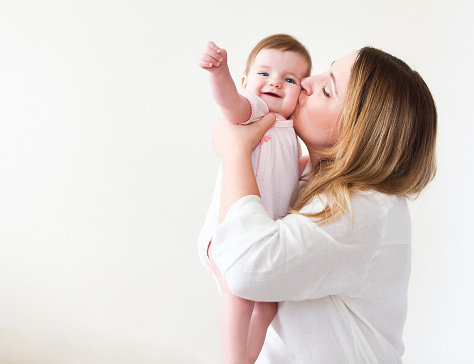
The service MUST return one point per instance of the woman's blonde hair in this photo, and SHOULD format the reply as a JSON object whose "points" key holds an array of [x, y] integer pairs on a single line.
{"points": [[388, 137], [280, 42]]}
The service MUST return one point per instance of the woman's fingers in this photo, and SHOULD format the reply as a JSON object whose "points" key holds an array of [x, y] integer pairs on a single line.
{"points": [[263, 125], [229, 139]]}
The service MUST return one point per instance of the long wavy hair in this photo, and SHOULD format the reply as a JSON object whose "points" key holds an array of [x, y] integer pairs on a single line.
{"points": [[388, 138]]}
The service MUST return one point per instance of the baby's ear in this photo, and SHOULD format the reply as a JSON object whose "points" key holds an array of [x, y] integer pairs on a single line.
{"points": [[244, 81]]}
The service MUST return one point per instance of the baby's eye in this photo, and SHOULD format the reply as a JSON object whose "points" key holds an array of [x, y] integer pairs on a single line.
{"points": [[263, 74], [290, 80], [325, 93]]}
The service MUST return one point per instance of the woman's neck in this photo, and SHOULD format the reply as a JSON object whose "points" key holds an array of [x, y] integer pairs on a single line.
{"points": [[315, 157]]}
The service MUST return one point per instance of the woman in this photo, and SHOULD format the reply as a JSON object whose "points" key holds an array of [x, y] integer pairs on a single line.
{"points": [[339, 263]]}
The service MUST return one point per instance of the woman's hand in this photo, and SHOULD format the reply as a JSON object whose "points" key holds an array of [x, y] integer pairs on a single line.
{"points": [[231, 140]]}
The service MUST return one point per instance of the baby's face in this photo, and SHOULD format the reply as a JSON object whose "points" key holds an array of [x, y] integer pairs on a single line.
{"points": [[276, 76]]}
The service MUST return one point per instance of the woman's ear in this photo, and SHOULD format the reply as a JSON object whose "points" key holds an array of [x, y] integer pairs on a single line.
{"points": [[244, 81]]}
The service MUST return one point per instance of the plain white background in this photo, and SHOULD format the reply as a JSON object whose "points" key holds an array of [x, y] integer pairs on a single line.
{"points": [[106, 169]]}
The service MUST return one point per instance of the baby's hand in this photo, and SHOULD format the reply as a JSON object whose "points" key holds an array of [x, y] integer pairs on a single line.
{"points": [[213, 57]]}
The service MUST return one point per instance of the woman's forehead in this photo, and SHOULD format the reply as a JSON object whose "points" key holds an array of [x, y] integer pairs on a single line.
{"points": [[341, 69], [346, 62]]}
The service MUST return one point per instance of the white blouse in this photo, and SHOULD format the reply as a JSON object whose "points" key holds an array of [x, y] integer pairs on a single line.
{"points": [[342, 291]]}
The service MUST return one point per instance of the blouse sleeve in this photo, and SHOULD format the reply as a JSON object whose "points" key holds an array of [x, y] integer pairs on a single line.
{"points": [[294, 258]]}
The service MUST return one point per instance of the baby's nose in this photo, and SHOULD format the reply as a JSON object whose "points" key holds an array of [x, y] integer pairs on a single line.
{"points": [[275, 83]]}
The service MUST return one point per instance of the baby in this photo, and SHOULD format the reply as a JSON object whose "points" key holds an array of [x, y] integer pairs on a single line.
{"points": [[271, 83]]}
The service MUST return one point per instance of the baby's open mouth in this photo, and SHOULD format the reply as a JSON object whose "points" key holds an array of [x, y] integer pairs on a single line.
{"points": [[271, 94]]}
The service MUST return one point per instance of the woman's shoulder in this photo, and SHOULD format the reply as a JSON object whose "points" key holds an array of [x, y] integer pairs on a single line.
{"points": [[389, 212], [379, 201], [367, 206]]}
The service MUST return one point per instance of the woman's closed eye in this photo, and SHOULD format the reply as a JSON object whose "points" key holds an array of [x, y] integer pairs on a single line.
{"points": [[325, 92]]}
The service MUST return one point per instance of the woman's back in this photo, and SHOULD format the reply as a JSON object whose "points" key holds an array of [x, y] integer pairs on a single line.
{"points": [[350, 298], [365, 327]]}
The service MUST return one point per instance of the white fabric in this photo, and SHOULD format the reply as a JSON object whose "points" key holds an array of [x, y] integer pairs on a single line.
{"points": [[275, 164], [342, 292]]}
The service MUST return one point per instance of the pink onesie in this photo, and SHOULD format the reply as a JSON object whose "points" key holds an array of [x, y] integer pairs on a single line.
{"points": [[275, 164]]}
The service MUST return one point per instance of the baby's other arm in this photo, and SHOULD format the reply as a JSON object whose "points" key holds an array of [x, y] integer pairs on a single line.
{"points": [[234, 107]]}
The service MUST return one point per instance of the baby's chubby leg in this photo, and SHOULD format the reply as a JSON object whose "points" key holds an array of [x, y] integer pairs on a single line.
{"points": [[234, 322], [262, 317]]}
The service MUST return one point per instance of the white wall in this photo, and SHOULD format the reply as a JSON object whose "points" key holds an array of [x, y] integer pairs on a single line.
{"points": [[106, 169]]}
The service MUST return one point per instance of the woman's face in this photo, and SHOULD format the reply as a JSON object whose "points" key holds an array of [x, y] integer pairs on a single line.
{"points": [[317, 114]]}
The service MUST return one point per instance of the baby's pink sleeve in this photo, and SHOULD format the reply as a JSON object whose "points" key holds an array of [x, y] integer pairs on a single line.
{"points": [[258, 107]]}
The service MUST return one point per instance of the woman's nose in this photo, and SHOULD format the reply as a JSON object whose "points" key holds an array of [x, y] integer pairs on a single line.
{"points": [[275, 83], [307, 84]]}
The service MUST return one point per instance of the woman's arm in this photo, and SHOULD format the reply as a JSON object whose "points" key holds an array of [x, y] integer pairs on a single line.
{"points": [[234, 144], [295, 259], [238, 180]]}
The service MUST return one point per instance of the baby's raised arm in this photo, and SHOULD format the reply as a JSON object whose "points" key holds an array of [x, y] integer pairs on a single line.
{"points": [[234, 107]]}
